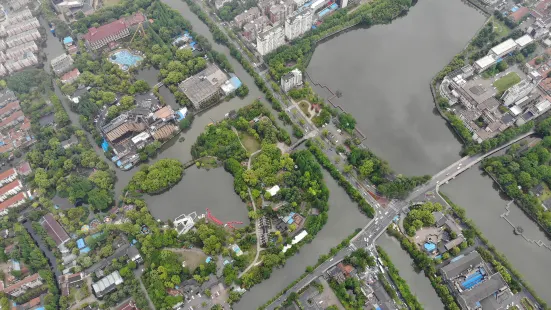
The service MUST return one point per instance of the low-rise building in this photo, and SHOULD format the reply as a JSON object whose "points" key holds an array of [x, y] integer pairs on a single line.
{"points": [[471, 281], [291, 80], [246, 17], [70, 76], [19, 288], [19, 50], [107, 284], [97, 38], [26, 60], [8, 176], [62, 64], [134, 255], [24, 168], [517, 91], [65, 144], [10, 189], [68, 281], [24, 37], [54, 229], [503, 48], [204, 87], [484, 63]]}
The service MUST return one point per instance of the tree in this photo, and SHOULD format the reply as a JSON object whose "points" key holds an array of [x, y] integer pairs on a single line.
{"points": [[100, 199], [141, 86], [347, 122], [366, 169]]}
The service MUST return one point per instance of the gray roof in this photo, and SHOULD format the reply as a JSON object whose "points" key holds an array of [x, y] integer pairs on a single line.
{"points": [[204, 84], [461, 265], [7, 95], [455, 242], [380, 293], [440, 218], [493, 284], [72, 140], [107, 284], [453, 226]]}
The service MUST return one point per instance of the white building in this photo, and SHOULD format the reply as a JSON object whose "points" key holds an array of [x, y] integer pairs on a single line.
{"points": [[19, 50], [523, 41], [484, 63], [21, 38], [291, 80], [516, 92], [503, 48], [297, 24], [61, 64], [11, 29], [270, 39], [27, 60]]}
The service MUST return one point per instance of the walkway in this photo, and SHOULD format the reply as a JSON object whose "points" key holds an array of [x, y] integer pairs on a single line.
{"points": [[256, 222]]}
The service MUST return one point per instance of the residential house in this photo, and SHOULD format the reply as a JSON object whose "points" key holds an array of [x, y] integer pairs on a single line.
{"points": [[12, 202], [291, 80], [68, 281], [69, 142], [70, 76], [19, 288], [24, 168], [10, 190], [134, 255], [129, 305], [8, 176], [62, 64]]}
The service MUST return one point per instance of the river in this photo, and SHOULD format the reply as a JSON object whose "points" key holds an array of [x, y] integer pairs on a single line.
{"points": [[200, 189], [419, 284], [478, 195], [385, 80], [344, 217]]}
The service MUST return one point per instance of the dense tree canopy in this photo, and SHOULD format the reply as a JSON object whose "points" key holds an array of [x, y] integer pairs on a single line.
{"points": [[157, 177]]}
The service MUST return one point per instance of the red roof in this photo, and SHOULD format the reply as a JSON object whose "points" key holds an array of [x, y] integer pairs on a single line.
{"points": [[11, 118], [10, 106], [6, 174], [10, 201], [4, 189], [17, 285], [520, 13], [71, 74], [130, 305], [96, 34], [24, 167], [134, 19]]}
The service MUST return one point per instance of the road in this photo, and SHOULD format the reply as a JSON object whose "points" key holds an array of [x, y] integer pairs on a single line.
{"points": [[384, 217]]}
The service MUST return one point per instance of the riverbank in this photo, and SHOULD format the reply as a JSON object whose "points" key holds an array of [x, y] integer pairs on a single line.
{"points": [[461, 214]]}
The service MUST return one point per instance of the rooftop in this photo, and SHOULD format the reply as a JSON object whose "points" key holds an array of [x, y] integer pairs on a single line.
{"points": [[456, 268], [107, 283], [6, 174], [10, 201], [204, 84], [504, 47], [54, 229]]}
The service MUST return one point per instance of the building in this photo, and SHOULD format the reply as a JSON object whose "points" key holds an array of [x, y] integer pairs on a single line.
{"points": [[252, 29], [107, 284], [97, 38], [291, 80], [24, 37], [270, 39], [123, 126], [24, 168], [19, 288], [523, 41], [470, 281], [26, 60], [65, 144], [220, 3], [134, 255], [10, 190], [516, 92], [54, 229], [204, 87], [68, 281], [15, 4], [298, 24], [129, 305], [484, 63], [20, 50], [246, 17], [61, 64], [8, 176], [503, 48], [70, 76], [10, 29], [276, 13], [12, 202]]}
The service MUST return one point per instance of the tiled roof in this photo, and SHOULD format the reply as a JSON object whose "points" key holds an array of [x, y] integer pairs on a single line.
{"points": [[19, 284], [4, 189], [104, 31], [71, 74], [7, 173]]}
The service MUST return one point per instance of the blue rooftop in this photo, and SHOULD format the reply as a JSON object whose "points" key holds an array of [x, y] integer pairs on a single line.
{"points": [[208, 260], [67, 40], [80, 243], [105, 145], [236, 82]]}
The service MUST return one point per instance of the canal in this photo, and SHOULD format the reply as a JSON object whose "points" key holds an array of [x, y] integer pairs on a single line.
{"points": [[479, 196], [385, 80], [200, 189], [418, 284], [344, 217]]}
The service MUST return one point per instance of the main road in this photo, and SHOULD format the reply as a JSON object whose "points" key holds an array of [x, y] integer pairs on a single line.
{"points": [[384, 217]]}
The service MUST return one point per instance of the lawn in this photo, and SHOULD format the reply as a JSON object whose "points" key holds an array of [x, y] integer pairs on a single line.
{"points": [[304, 106], [251, 144], [110, 2], [192, 257], [507, 81], [500, 28]]}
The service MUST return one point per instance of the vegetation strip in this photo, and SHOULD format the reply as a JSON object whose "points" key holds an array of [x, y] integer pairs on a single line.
{"points": [[407, 295]]}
